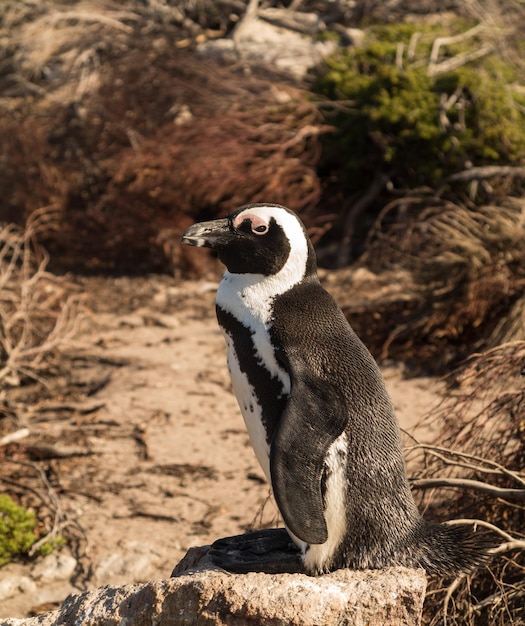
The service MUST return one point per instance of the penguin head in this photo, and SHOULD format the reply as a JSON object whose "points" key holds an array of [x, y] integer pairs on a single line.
{"points": [[256, 239]]}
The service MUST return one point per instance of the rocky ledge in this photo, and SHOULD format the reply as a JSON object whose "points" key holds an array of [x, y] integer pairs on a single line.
{"points": [[202, 594]]}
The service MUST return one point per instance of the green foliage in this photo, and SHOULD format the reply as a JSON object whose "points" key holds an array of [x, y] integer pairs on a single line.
{"points": [[52, 544], [18, 532], [414, 124], [17, 529]]}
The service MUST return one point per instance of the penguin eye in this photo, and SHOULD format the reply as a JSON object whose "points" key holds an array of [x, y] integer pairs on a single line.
{"points": [[254, 224], [260, 229]]}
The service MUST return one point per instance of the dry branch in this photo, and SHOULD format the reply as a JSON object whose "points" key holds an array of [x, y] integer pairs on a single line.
{"points": [[452, 63], [464, 282], [459, 60], [487, 171], [38, 315], [21, 433], [482, 434], [465, 483], [445, 41]]}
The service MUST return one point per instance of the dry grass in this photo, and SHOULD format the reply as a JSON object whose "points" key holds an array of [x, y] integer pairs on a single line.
{"points": [[474, 471], [131, 136], [38, 314], [463, 268]]}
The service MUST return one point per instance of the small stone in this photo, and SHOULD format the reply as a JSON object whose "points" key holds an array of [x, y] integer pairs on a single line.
{"points": [[132, 561], [9, 587], [56, 566]]}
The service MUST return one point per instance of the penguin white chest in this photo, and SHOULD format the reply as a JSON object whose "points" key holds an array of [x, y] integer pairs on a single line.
{"points": [[260, 384], [251, 407]]}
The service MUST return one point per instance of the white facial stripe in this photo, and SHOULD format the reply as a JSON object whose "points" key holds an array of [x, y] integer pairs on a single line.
{"points": [[318, 555], [255, 219]]}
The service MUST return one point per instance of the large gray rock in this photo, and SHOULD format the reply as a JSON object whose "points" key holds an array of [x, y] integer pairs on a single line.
{"points": [[202, 595], [257, 41]]}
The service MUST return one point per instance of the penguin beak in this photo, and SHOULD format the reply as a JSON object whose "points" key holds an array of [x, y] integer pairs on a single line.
{"points": [[214, 234]]}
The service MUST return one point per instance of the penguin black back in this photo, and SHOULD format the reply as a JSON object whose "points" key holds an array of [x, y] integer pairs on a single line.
{"points": [[314, 401]]}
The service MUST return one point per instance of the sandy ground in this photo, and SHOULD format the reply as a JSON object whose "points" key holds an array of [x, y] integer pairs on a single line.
{"points": [[145, 450]]}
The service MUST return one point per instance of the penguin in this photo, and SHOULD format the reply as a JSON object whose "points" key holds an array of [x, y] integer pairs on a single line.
{"points": [[317, 411]]}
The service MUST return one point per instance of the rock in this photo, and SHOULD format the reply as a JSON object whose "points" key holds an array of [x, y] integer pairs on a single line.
{"points": [[47, 583], [256, 41], [307, 23], [193, 558], [55, 566], [130, 560], [205, 595], [16, 584]]}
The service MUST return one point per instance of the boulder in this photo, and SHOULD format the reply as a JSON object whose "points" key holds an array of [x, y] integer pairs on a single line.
{"points": [[288, 45], [201, 594]]}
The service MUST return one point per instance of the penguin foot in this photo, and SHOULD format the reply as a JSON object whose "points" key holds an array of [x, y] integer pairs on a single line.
{"points": [[270, 551]]}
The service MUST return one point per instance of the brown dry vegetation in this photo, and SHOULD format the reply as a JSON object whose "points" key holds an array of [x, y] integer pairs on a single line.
{"points": [[474, 474], [460, 280], [39, 312], [128, 138]]}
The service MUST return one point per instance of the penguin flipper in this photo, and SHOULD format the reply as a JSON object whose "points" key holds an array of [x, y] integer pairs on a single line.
{"points": [[311, 421]]}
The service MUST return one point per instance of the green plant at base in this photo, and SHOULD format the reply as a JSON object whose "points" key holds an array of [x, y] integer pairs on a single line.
{"points": [[414, 124], [52, 544], [17, 529], [18, 532]]}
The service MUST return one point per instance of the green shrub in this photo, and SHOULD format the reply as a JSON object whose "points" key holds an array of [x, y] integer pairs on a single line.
{"points": [[417, 125], [51, 544], [17, 529], [19, 533]]}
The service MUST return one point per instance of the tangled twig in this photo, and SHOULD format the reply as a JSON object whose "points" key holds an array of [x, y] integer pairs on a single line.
{"points": [[480, 455], [38, 315]]}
